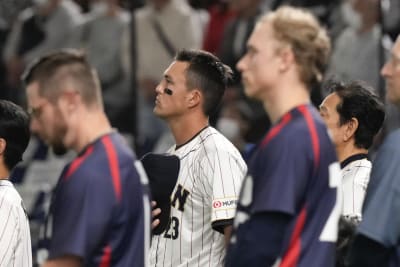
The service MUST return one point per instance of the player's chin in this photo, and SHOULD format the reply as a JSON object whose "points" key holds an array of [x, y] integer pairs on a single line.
{"points": [[249, 91], [158, 111]]}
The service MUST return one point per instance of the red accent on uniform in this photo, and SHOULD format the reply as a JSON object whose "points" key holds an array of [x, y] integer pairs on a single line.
{"points": [[313, 132], [276, 129], [77, 162], [291, 258], [105, 260], [113, 162]]}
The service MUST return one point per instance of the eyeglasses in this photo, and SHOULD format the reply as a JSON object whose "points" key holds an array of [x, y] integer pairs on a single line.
{"points": [[36, 112]]}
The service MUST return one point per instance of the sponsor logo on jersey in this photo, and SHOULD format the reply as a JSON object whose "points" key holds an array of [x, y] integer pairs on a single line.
{"points": [[226, 203]]}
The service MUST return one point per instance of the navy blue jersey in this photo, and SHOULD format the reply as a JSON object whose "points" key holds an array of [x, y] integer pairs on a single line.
{"points": [[99, 210], [294, 171]]}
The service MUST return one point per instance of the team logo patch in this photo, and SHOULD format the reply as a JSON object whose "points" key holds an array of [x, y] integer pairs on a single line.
{"points": [[225, 203]]}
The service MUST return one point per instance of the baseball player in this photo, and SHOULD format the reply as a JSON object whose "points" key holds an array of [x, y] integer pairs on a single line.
{"points": [[203, 201], [99, 214], [287, 213], [15, 238], [353, 115], [377, 239]]}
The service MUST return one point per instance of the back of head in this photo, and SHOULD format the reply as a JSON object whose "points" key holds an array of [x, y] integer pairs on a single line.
{"points": [[309, 42], [208, 74], [14, 129], [57, 71], [358, 101]]}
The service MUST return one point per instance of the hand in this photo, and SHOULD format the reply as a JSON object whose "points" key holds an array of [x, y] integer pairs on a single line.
{"points": [[154, 213]]}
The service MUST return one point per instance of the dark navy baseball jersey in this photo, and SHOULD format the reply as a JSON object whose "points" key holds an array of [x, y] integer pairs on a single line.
{"points": [[100, 209], [295, 172]]}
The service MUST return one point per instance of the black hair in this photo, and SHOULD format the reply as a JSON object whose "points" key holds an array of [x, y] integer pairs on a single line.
{"points": [[208, 74], [358, 101], [14, 129]]}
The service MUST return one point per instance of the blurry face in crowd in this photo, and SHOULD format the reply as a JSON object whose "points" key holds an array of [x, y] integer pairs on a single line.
{"points": [[260, 65], [331, 118], [391, 72], [47, 120], [169, 106]]}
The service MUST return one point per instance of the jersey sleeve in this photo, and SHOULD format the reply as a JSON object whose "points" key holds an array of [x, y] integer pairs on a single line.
{"points": [[83, 206], [381, 221], [284, 169], [224, 171]]}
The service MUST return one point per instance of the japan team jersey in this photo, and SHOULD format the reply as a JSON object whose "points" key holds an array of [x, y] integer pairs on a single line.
{"points": [[15, 238], [356, 171], [100, 210], [202, 202], [294, 171]]}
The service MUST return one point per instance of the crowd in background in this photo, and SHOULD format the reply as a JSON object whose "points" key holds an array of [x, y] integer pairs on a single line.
{"points": [[131, 43]]}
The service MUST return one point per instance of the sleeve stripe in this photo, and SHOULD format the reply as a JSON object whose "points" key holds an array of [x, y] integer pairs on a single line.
{"points": [[113, 163]]}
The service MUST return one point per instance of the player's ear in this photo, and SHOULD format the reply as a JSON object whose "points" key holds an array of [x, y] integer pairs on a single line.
{"points": [[287, 58], [69, 99], [350, 129], [194, 98]]}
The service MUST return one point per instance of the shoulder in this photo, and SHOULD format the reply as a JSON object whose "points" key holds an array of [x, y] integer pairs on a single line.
{"points": [[10, 200], [214, 142], [392, 141]]}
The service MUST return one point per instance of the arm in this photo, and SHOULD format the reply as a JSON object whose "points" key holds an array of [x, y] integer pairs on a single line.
{"points": [[64, 261], [227, 233], [259, 240]]}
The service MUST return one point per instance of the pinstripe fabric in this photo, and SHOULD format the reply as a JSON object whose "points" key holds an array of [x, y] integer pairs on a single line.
{"points": [[15, 238], [206, 192], [354, 186]]}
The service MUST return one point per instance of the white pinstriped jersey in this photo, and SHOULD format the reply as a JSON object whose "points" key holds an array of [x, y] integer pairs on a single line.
{"points": [[354, 185], [15, 238], [205, 196]]}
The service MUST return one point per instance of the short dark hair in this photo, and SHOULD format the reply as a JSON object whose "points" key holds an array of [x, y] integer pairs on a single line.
{"points": [[53, 70], [358, 101], [14, 129], [207, 73]]}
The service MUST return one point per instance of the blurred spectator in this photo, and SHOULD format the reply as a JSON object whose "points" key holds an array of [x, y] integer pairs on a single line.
{"points": [[234, 123], [390, 17], [102, 35], [162, 27], [220, 14], [45, 26], [237, 31], [356, 53]]}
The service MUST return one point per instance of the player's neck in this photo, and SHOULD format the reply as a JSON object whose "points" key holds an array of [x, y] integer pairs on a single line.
{"points": [[4, 172], [184, 129], [346, 151], [284, 100], [96, 125]]}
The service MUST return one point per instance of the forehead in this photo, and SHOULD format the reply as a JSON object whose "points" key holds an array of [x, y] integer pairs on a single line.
{"points": [[262, 35], [176, 70], [32, 92], [330, 102]]}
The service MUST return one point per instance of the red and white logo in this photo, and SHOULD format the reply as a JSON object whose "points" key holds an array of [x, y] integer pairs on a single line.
{"points": [[217, 204]]}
